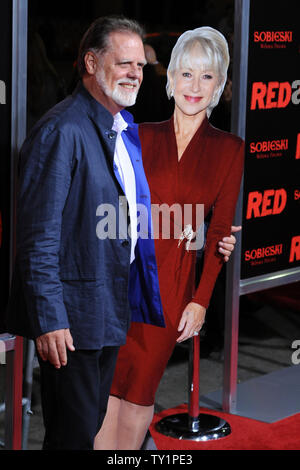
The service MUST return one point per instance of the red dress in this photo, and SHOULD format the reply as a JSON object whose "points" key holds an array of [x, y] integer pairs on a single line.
{"points": [[209, 172]]}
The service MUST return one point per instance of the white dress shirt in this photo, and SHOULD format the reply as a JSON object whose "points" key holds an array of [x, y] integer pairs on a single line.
{"points": [[126, 172]]}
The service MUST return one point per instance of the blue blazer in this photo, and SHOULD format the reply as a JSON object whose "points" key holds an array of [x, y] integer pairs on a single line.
{"points": [[65, 275]]}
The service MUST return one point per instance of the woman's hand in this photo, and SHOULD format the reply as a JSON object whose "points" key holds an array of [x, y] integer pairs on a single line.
{"points": [[226, 246], [191, 321]]}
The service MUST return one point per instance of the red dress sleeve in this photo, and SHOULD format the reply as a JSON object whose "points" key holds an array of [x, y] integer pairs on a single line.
{"points": [[220, 224]]}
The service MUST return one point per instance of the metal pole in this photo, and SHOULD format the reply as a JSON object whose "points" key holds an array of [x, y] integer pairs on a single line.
{"points": [[194, 426], [27, 392], [13, 397], [14, 368], [194, 384], [18, 104], [238, 126], [267, 281]]}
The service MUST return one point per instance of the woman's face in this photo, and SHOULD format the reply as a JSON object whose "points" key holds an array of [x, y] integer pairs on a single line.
{"points": [[194, 87]]}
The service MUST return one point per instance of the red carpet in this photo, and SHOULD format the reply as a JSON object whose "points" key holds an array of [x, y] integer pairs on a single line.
{"points": [[246, 434]]}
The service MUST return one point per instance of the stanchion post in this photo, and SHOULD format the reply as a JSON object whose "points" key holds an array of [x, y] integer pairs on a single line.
{"points": [[194, 384], [194, 426]]}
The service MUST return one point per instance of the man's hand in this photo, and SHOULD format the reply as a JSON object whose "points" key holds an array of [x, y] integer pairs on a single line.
{"points": [[226, 246], [53, 346], [191, 321]]}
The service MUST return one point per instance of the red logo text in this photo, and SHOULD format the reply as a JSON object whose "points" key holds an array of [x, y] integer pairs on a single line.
{"points": [[269, 145], [273, 36], [295, 249], [298, 147], [264, 252], [274, 94], [270, 202]]}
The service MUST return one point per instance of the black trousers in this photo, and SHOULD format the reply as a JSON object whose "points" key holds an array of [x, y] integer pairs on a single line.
{"points": [[74, 398]]}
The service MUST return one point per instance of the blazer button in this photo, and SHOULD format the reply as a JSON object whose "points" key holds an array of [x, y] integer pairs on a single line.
{"points": [[111, 135], [125, 243]]}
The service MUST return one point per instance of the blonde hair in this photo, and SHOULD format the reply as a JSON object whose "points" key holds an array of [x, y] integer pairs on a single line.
{"points": [[214, 55]]}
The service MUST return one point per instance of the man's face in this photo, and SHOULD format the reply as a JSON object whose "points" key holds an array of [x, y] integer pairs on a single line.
{"points": [[119, 71]]}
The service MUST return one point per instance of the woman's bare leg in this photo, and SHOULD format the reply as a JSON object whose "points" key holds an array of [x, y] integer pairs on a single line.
{"points": [[134, 421], [107, 437], [124, 427]]}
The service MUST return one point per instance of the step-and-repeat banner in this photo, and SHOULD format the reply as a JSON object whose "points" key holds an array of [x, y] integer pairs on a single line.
{"points": [[271, 207], [5, 149]]}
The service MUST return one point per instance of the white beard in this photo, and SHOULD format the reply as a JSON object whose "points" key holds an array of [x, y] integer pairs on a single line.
{"points": [[124, 98], [118, 95]]}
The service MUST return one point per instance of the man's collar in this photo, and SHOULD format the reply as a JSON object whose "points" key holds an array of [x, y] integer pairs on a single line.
{"points": [[98, 111], [127, 117], [95, 109], [120, 124]]}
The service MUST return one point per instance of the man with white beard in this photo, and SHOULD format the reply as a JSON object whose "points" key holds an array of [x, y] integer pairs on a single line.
{"points": [[73, 292]]}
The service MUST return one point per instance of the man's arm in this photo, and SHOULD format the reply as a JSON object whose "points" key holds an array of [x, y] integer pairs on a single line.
{"points": [[45, 177]]}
